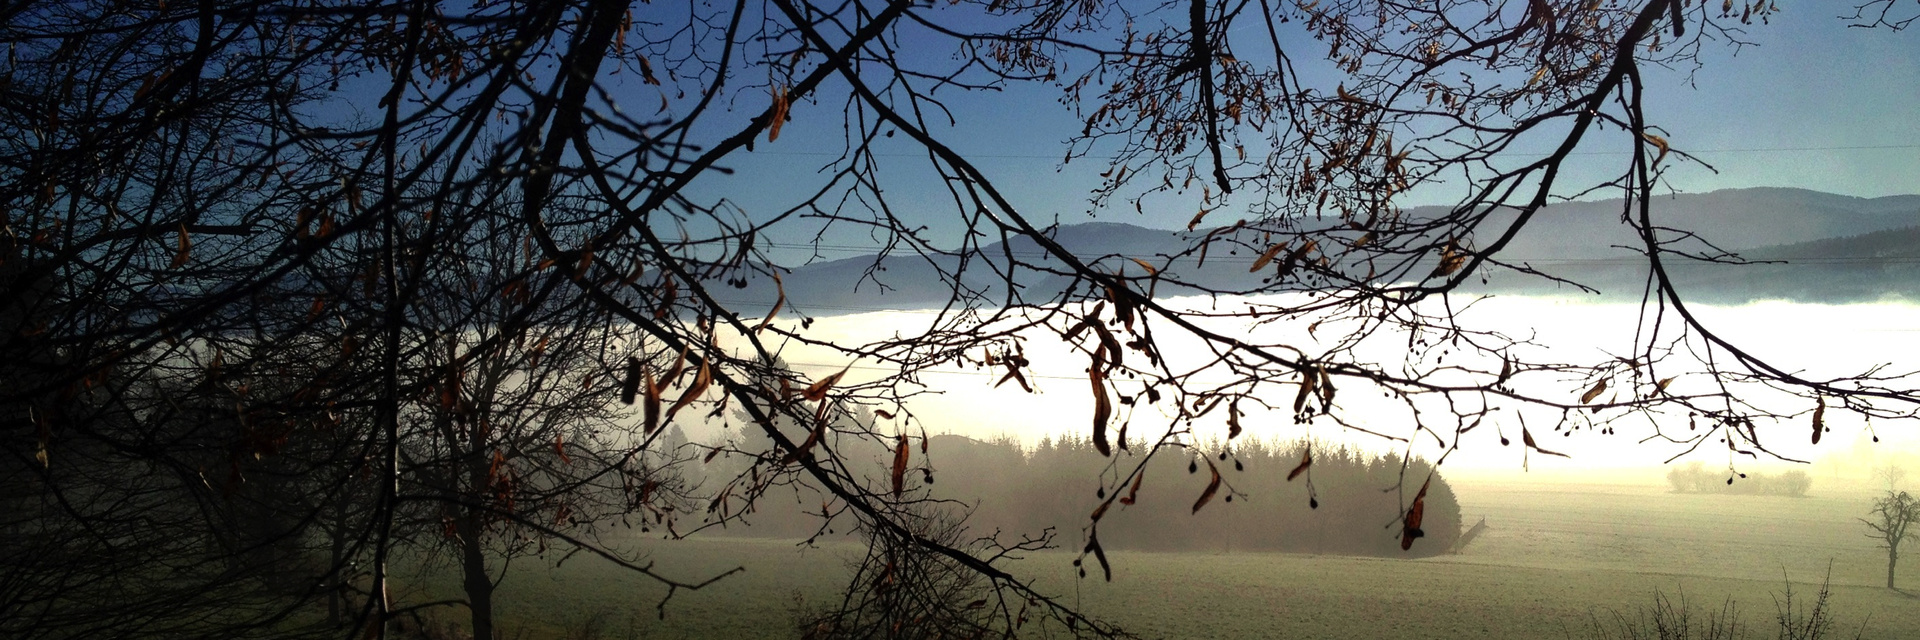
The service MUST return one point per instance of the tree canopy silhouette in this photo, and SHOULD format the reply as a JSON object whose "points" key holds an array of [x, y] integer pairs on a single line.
{"points": [[1893, 515]]}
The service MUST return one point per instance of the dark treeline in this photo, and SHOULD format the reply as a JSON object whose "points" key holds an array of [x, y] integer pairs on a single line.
{"points": [[1694, 477], [1011, 490]]}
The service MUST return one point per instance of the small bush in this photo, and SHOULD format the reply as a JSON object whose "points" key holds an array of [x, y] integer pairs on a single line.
{"points": [[1670, 619], [902, 590]]}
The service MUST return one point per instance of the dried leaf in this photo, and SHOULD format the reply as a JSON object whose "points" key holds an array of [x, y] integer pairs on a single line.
{"points": [[1013, 373], [1195, 222], [1233, 419], [1111, 345], [1662, 385], [1296, 255], [669, 293], [1078, 327], [646, 71], [183, 251], [560, 449], [1093, 546], [1307, 381], [1659, 143], [1102, 407], [818, 390], [146, 83], [1306, 460], [813, 437], [1819, 418], [700, 382], [1410, 528], [1451, 259], [1594, 392], [650, 408], [539, 349], [639, 269], [777, 116], [1092, 319], [630, 387], [1527, 438], [646, 490], [1266, 257], [1213, 486], [1122, 308], [1134, 491], [900, 453], [1326, 388], [679, 364], [1348, 97]]}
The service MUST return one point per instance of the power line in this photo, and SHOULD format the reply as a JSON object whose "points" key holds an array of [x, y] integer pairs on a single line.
{"points": [[1035, 156], [1792, 149], [951, 372]]}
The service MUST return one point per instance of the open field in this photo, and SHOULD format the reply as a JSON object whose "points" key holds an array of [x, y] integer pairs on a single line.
{"points": [[1553, 557]]}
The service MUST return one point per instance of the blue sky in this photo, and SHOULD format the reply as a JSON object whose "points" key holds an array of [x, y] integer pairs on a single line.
{"points": [[1838, 105], [1812, 104]]}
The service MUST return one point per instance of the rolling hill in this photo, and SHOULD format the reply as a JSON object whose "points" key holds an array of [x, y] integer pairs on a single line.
{"points": [[1816, 247]]}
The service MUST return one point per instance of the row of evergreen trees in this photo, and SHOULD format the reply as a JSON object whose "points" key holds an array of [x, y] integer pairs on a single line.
{"points": [[1346, 502]]}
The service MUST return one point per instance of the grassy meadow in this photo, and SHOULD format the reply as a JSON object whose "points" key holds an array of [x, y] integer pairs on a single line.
{"points": [[1554, 557]]}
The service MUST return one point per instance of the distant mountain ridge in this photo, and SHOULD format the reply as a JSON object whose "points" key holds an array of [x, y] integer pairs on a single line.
{"points": [[1836, 248], [1732, 219]]}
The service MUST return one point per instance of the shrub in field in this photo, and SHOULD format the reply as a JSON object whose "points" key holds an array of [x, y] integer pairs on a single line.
{"points": [[903, 590], [1695, 478], [1668, 619], [1671, 619]]}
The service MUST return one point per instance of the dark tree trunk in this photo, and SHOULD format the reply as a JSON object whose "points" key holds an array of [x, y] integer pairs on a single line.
{"points": [[1893, 557], [479, 586], [470, 527], [337, 561]]}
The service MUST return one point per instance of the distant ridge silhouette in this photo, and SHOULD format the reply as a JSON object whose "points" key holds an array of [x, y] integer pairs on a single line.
{"points": [[1836, 248]]}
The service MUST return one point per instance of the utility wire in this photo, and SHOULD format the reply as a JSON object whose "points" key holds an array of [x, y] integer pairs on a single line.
{"points": [[1035, 156]]}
